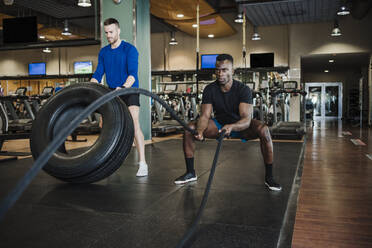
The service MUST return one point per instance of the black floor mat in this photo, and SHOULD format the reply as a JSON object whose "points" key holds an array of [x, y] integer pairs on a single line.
{"points": [[126, 211]]}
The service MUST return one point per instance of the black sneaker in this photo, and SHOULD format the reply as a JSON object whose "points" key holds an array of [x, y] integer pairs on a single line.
{"points": [[187, 177], [272, 185]]}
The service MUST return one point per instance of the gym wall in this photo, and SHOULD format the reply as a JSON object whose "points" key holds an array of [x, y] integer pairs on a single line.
{"points": [[182, 56], [288, 42], [15, 62]]}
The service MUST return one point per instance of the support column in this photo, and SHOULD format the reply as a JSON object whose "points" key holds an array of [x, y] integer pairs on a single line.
{"points": [[134, 19], [370, 91]]}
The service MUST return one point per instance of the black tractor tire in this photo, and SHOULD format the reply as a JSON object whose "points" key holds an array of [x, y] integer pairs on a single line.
{"points": [[108, 152]]}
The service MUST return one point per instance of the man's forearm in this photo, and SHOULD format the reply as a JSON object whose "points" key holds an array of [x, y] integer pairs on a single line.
{"points": [[202, 124], [242, 124], [129, 82], [93, 80]]}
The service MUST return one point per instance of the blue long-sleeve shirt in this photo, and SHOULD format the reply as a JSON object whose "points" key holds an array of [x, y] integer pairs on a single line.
{"points": [[117, 64]]}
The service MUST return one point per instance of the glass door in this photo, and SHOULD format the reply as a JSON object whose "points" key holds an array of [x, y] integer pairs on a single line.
{"points": [[314, 97], [324, 100]]}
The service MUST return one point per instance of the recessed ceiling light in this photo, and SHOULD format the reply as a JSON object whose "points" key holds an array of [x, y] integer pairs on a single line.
{"points": [[331, 60], [326, 70], [210, 35], [180, 15], [194, 25]]}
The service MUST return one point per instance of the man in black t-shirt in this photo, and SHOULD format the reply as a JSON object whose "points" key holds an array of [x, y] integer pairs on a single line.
{"points": [[231, 103]]}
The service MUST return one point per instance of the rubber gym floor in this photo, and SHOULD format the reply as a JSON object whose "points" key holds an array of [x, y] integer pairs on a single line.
{"points": [[126, 211]]}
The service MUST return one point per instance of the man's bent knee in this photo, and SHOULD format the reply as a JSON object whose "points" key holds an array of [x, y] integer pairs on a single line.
{"points": [[191, 125], [264, 132]]}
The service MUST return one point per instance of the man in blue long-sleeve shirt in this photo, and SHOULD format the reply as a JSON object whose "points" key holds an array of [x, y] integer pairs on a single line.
{"points": [[119, 61]]}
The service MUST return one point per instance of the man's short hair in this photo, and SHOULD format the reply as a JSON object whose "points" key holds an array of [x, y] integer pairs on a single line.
{"points": [[110, 21], [225, 56]]}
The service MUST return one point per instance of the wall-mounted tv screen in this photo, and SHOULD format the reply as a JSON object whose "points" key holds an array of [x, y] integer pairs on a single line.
{"points": [[83, 67], [208, 61], [20, 30], [262, 60], [179, 77], [36, 69]]}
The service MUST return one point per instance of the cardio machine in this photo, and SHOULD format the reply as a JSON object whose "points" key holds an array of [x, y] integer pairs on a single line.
{"points": [[259, 106], [163, 124], [284, 129]]}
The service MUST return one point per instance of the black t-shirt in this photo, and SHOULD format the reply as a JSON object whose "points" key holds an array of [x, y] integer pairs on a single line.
{"points": [[226, 104]]}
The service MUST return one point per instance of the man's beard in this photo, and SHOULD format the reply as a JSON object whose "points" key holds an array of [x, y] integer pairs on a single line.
{"points": [[223, 81], [113, 40]]}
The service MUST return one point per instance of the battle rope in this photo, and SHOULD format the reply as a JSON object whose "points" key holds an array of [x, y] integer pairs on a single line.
{"points": [[192, 229], [60, 138]]}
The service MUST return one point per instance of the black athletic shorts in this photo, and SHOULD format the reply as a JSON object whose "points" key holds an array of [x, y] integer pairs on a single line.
{"points": [[130, 100]]}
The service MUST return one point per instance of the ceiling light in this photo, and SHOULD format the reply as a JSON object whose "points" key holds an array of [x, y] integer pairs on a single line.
{"points": [[210, 35], [326, 71], [194, 25], [66, 30], [256, 35], [239, 18], [180, 15], [41, 36], [343, 10], [331, 60], [47, 50], [336, 30], [173, 40], [84, 3], [8, 2]]}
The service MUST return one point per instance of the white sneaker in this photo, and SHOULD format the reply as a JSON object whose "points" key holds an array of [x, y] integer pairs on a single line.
{"points": [[142, 170]]}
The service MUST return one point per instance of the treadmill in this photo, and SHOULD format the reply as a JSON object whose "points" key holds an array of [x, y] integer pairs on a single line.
{"points": [[163, 124], [288, 130]]}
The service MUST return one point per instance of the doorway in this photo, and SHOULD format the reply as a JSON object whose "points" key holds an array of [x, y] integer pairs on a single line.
{"points": [[326, 100]]}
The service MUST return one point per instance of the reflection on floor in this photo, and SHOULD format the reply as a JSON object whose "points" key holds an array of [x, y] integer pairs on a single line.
{"points": [[335, 202]]}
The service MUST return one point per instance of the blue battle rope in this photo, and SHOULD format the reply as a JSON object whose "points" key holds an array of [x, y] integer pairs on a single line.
{"points": [[60, 138]]}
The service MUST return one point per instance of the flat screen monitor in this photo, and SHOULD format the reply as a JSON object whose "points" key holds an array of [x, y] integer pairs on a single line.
{"points": [[262, 60], [205, 76], [290, 85], [36, 69], [20, 30], [179, 77], [83, 67], [208, 61], [170, 87]]}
